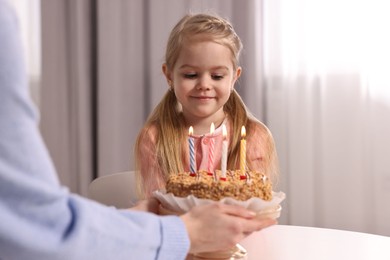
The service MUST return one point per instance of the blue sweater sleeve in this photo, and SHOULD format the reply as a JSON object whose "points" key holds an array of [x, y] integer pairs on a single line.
{"points": [[40, 219]]}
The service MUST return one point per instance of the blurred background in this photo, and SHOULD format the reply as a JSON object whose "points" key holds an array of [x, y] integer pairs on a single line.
{"points": [[316, 72]]}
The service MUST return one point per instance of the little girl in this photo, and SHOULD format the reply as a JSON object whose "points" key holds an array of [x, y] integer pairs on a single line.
{"points": [[201, 68]]}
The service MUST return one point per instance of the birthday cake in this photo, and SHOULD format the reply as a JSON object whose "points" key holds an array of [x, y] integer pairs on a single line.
{"points": [[205, 186]]}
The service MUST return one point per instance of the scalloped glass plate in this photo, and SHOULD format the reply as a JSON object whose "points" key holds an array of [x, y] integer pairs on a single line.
{"points": [[179, 205]]}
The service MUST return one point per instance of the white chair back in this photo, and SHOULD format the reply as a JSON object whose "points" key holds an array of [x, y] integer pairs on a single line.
{"points": [[118, 190]]}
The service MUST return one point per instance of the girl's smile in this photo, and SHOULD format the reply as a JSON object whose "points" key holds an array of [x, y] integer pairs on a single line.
{"points": [[201, 98]]}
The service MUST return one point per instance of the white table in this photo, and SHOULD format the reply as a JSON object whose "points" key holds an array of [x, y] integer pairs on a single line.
{"points": [[295, 242]]}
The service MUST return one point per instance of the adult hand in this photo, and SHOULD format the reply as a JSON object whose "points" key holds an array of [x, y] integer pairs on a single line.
{"points": [[218, 226], [149, 205]]}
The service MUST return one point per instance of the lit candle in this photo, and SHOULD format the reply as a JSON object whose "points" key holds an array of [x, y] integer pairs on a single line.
{"points": [[192, 150], [211, 150], [243, 151], [224, 153]]}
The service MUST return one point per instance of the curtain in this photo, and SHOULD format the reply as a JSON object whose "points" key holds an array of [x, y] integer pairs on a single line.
{"points": [[29, 17], [66, 90], [328, 105]]}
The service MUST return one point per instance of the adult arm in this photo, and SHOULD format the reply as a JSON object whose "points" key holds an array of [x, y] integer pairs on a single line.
{"points": [[39, 219]]}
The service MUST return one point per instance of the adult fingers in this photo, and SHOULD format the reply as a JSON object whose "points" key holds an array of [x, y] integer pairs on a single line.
{"points": [[237, 211], [251, 225]]}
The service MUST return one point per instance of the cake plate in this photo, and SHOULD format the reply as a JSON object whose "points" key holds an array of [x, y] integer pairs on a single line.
{"points": [[237, 252]]}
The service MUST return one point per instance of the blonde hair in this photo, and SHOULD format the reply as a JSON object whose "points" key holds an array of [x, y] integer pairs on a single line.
{"points": [[214, 28], [167, 118]]}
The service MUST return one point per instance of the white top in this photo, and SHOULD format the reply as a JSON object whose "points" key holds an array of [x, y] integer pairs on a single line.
{"points": [[294, 242]]}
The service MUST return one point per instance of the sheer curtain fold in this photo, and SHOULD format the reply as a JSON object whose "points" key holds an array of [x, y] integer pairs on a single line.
{"points": [[329, 123], [121, 82], [66, 90]]}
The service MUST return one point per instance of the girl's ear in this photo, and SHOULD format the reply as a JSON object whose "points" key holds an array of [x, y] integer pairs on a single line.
{"points": [[237, 74], [167, 74]]}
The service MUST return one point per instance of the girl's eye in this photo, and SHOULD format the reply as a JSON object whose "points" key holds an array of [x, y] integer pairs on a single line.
{"points": [[217, 77], [190, 75]]}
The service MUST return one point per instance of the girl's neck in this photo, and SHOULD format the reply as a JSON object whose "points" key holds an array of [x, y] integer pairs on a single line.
{"points": [[202, 126]]}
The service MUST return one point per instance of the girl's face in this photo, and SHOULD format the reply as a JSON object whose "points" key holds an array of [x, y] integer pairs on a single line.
{"points": [[203, 78]]}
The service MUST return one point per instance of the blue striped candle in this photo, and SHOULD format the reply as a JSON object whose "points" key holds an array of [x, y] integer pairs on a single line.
{"points": [[192, 150]]}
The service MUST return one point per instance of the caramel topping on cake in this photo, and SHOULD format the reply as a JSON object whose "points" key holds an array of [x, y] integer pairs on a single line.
{"points": [[204, 186]]}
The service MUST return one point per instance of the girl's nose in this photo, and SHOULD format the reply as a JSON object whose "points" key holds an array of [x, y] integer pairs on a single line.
{"points": [[203, 84]]}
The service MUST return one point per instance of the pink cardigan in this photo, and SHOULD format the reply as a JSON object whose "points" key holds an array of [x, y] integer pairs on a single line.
{"points": [[257, 146]]}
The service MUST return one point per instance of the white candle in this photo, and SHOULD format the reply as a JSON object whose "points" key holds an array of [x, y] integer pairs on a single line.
{"points": [[192, 150], [211, 150], [243, 151], [224, 152]]}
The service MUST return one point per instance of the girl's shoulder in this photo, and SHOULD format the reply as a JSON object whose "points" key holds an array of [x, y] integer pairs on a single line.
{"points": [[259, 132], [257, 127], [149, 133]]}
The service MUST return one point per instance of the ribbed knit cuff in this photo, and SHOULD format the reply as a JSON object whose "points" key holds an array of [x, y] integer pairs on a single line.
{"points": [[175, 240]]}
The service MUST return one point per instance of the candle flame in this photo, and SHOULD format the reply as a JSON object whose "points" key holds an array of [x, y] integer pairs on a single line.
{"points": [[224, 131], [191, 130], [243, 132], [212, 128]]}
